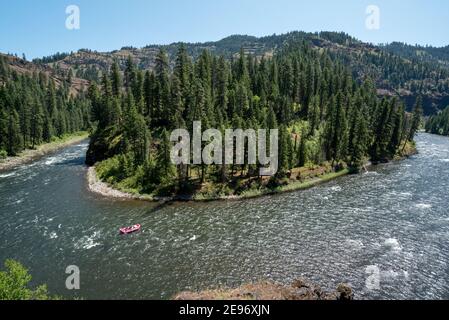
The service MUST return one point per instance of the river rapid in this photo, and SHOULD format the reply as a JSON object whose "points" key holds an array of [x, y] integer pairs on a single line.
{"points": [[385, 232]]}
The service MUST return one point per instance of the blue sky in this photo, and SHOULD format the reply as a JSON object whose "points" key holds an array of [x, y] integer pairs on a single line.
{"points": [[37, 28]]}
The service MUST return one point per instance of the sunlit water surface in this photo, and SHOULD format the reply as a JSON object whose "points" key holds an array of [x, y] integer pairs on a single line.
{"points": [[394, 219]]}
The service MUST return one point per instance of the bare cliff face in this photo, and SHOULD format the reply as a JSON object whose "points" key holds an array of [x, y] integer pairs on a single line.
{"points": [[298, 290]]}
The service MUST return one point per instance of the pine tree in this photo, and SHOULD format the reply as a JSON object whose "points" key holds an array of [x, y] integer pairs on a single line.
{"points": [[285, 150], [136, 134], [182, 70], [165, 169], [4, 69], [116, 79], [96, 111], [105, 106], [176, 105], [341, 134], [314, 114], [24, 120], [36, 123], [47, 131], [396, 137], [3, 127], [14, 144], [416, 119], [302, 151], [149, 94], [336, 137], [359, 141], [383, 131], [61, 125], [51, 100], [70, 76], [130, 73], [309, 89], [162, 92], [222, 95], [137, 91], [271, 120], [242, 74]]}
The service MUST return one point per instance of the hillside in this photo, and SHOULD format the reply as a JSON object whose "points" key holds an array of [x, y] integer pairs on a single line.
{"points": [[439, 123], [394, 68], [21, 67], [38, 105], [419, 53]]}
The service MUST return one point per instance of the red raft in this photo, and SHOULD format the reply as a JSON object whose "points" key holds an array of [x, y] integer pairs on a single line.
{"points": [[129, 230]]}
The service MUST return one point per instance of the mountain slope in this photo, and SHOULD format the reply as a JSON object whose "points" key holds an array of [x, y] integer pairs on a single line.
{"points": [[395, 69], [37, 105], [21, 66], [419, 53]]}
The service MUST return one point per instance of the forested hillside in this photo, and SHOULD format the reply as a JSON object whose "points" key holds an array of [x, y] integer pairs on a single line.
{"points": [[439, 124], [325, 117], [419, 53], [396, 70], [36, 105]]}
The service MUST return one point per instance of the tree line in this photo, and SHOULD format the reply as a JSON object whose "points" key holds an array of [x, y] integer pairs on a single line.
{"points": [[439, 123], [323, 115], [423, 71], [15, 284], [34, 110]]}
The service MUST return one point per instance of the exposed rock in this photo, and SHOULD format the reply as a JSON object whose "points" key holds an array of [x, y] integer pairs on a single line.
{"points": [[345, 292], [300, 283], [99, 187], [299, 290]]}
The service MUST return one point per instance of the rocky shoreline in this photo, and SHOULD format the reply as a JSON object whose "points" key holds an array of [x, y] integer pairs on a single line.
{"points": [[97, 186], [299, 290], [41, 151]]}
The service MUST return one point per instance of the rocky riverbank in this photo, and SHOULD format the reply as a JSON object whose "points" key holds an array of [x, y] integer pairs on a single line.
{"points": [[97, 186], [298, 179], [298, 290], [29, 156]]}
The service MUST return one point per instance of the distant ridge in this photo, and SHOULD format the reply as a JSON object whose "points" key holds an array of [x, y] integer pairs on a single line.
{"points": [[397, 69]]}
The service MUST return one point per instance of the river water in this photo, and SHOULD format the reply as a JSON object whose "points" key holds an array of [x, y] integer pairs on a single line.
{"points": [[385, 232]]}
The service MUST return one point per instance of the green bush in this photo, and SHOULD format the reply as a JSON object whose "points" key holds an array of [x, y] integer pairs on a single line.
{"points": [[109, 170], [3, 154], [14, 284]]}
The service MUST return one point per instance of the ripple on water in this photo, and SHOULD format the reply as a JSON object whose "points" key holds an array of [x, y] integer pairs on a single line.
{"points": [[357, 244], [7, 175], [423, 206], [392, 217]]}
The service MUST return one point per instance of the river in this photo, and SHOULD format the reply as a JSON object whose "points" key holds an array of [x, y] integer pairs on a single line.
{"points": [[390, 224]]}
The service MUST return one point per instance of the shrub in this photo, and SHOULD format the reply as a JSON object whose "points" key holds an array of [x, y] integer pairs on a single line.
{"points": [[3, 154], [14, 284]]}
